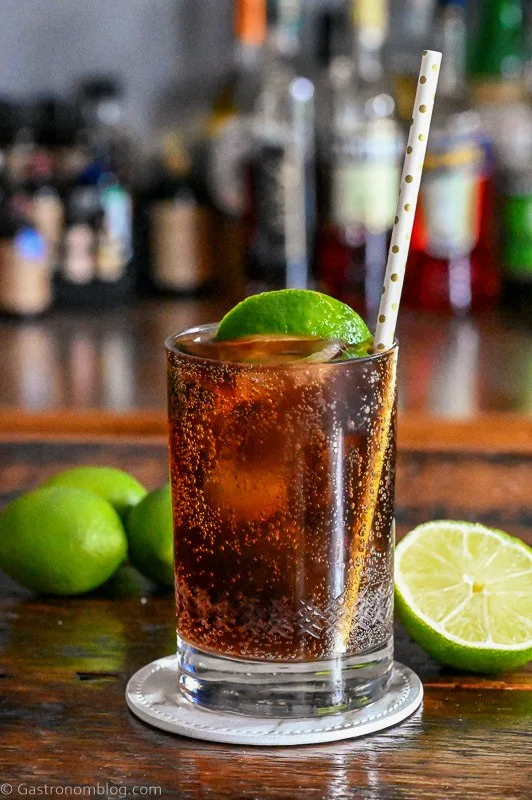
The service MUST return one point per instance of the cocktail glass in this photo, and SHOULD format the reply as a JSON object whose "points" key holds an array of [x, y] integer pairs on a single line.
{"points": [[282, 456]]}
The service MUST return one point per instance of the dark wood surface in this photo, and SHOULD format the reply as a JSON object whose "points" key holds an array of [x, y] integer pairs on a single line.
{"points": [[114, 360], [64, 664]]}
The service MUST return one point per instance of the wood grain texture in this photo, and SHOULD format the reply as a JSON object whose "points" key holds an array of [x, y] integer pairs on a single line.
{"points": [[64, 664]]}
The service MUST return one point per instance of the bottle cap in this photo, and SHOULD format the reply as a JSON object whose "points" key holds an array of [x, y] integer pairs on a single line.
{"points": [[251, 22]]}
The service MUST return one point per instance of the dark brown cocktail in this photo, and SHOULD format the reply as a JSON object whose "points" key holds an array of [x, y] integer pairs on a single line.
{"points": [[282, 468]]}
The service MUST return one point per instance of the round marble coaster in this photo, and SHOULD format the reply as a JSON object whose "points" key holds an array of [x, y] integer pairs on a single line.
{"points": [[153, 696]]}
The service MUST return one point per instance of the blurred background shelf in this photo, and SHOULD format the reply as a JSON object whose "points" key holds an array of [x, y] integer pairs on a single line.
{"points": [[160, 161], [77, 360]]}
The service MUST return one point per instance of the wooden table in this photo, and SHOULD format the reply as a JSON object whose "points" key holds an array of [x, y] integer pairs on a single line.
{"points": [[64, 663]]}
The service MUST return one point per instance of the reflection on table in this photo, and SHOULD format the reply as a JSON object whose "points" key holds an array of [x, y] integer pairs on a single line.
{"points": [[114, 360]]}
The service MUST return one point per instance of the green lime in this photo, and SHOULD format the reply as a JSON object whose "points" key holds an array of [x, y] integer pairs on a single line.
{"points": [[150, 534], [114, 485], [61, 540], [464, 593], [299, 312]]}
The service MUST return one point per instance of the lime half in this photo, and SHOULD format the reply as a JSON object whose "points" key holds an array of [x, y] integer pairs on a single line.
{"points": [[464, 593], [297, 312]]}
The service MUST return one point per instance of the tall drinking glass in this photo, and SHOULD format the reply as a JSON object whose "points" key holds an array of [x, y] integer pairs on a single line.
{"points": [[282, 471]]}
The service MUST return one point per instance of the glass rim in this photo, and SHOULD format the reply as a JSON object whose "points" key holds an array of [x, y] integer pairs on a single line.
{"points": [[170, 347]]}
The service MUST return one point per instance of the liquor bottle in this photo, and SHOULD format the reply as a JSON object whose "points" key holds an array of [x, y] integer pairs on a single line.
{"points": [[282, 53], [76, 278], [18, 165], [9, 126], [234, 102], [51, 124], [227, 141], [180, 244], [329, 44], [25, 275], [282, 168], [516, 211], [496, 68], [410, 30], [364, 167], [100, 104], [46, 207], [100, 101], [97, 254], [452, 266], [527, 70], [286, 21]]}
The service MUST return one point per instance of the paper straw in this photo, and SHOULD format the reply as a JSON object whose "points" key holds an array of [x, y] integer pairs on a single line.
{"points": [[384, 333], [408, 194]]}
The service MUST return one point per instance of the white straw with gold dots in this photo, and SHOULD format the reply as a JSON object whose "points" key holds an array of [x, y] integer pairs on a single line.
{"points": [[384, 333], [408, 194]]}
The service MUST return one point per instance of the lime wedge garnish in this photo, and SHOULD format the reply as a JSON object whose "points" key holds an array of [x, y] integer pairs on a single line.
{"points": [[297, 312], [464, 593]]}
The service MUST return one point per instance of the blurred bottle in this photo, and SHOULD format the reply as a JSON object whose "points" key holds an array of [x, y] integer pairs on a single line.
{"points": [[78, 269], [282, 167], [18, 155], [516, 213], [100, 105], [328, 43], [286, 23], [528, 50], [227, 140], [52, 127], [52, 131], [97, 254], [180, 247], [364, 165], [9, 127], [411, 24], [25, 275], [452, 259], [496, 67]]}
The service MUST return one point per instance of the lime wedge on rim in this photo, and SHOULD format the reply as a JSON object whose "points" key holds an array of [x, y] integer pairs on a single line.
{"points": [[464, 593], [299, 312]]}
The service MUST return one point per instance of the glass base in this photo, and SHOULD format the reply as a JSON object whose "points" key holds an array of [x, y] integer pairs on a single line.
{"points": [[290, 689]]}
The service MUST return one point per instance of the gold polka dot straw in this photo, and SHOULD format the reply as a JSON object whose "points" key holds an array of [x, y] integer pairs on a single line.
{"points": [[406, 206], [384, 333]]}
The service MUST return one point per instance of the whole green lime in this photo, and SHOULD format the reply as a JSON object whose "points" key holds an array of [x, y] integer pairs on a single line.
{"points": [[297, 312], [114, 485], [151, 537], [61, 541]]}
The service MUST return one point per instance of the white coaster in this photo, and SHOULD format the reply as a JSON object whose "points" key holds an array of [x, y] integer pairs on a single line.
{"points": [[152, 695]]}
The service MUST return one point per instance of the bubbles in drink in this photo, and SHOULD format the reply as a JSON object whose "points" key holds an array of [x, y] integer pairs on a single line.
{"points": [[272, 469]]}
